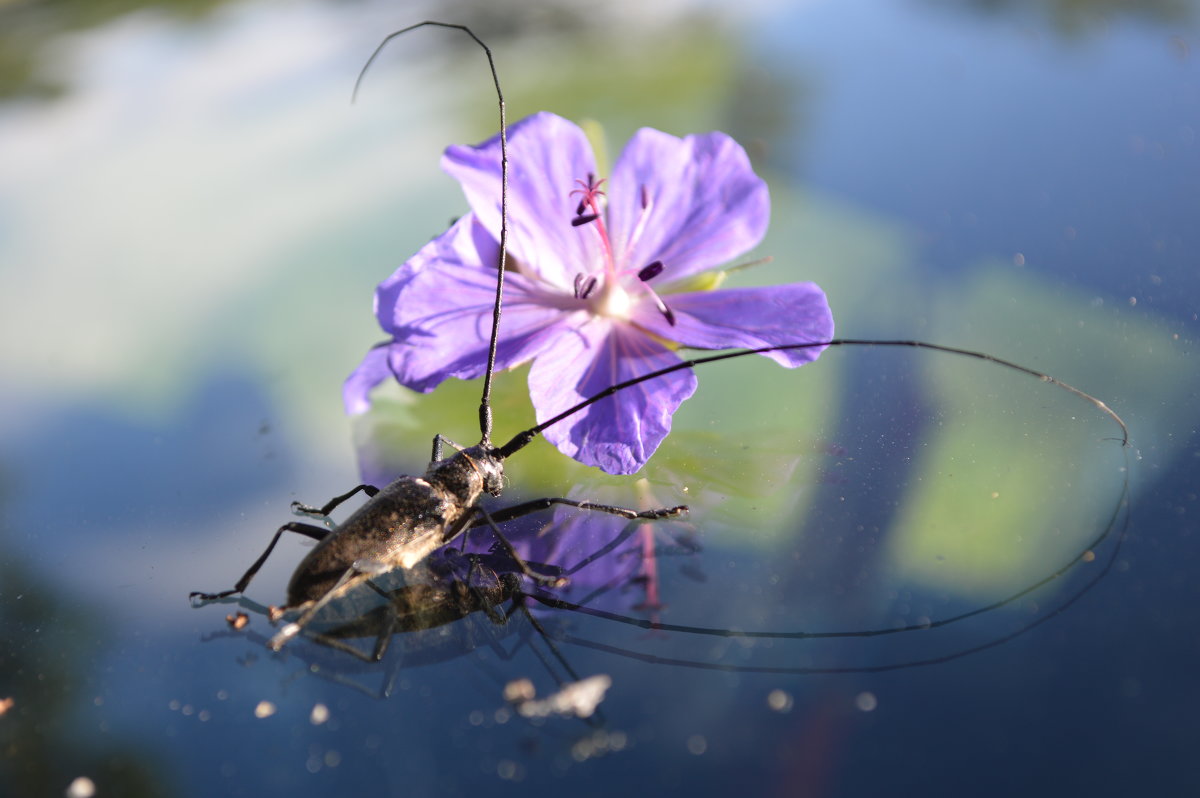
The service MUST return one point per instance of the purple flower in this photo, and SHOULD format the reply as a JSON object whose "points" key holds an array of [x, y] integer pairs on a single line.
{"points": [[589, 298]]}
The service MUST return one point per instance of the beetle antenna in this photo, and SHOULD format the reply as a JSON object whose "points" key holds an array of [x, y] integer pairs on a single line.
{"points": [[523, 439], [485, 402]]}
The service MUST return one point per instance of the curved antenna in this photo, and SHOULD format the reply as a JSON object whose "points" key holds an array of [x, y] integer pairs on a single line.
{"points": [[523, 439], [1120, 510], [485, 402], [1120, 517]]}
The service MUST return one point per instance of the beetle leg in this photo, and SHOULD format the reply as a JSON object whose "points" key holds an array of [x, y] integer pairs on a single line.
{"points": [[292, 629], [385, 634], [525, 508], [438, 441], [544, 579], [331, 505], [340, 645], [309, 530]]}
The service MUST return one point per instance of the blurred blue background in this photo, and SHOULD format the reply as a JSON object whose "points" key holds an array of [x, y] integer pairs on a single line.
{"points": [[193, 218]]}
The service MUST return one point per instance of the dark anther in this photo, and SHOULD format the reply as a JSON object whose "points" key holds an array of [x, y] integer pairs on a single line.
{"points": [[588, 288], [582, 220], [578, 282], [650, 271], [670, 315], [645, 197], [580, 207]]}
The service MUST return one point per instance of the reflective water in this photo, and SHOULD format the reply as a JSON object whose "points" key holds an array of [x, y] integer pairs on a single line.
{"points": [[192, 221]]}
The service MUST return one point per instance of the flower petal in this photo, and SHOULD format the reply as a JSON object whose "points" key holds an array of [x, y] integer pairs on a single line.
{"points": [[547, 154], [705, 206], [466, 243], [747, 317], [619, 433], [373, 370], [447, 313], [438, 307]]}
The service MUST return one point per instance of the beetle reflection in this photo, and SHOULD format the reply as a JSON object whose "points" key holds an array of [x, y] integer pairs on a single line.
{"points": [[438, 611], [462, 601]]}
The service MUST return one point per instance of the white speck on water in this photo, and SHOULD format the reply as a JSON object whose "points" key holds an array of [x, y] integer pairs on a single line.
{"points": [[780, 700], [82, 787]]}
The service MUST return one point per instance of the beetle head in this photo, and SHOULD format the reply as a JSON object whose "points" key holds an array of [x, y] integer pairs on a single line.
{"points": [[469, 472], [488, 463]]}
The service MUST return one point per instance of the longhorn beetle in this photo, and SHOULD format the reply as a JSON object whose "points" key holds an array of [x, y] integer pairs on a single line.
{"points": [[403, 523]]}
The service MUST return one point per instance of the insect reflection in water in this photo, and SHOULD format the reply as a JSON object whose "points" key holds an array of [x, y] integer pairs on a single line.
{"points": [[459, 603]]}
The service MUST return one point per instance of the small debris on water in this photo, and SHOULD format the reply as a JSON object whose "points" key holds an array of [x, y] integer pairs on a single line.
{"points": [[5, 705], [238, 621], [82, 787], [578, 699], [265, 709], [519, 690], [780, 700], [319, 714], [600, 742]]}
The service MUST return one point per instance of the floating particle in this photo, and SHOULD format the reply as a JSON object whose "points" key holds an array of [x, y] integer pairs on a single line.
{"points": [[82, 787], [579, 699], [780, 700], [238, 621]]}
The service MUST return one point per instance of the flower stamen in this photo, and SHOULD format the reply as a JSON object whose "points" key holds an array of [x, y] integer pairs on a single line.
{"points": [[589, 199], [668, 314], [650, 271], [584, 286], [647, 206]]}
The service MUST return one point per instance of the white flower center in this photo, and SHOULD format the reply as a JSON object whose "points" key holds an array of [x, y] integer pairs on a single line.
{"points": [[613, 302]]}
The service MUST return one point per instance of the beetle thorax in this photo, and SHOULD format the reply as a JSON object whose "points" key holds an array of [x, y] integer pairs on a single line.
{"points": [[469, 473]]}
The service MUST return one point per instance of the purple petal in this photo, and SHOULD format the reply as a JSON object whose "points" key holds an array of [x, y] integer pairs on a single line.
{"points": [[619, 433], [705, 204], [447, 314], [546, 155], [747, 317], [372, 371], [438, 308], [466, 243]]}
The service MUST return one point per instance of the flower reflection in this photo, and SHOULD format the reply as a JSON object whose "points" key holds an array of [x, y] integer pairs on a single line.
{"points": [[609, 561]]}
